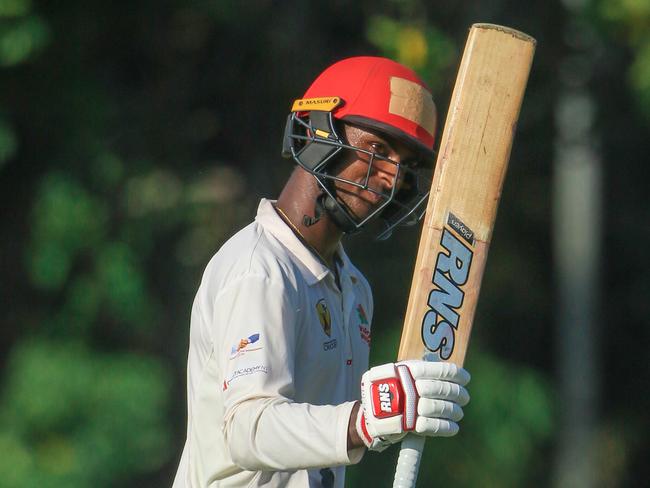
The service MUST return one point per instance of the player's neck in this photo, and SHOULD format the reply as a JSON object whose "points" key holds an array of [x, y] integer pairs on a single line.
{"points": [[297, 200], [321, 238]]}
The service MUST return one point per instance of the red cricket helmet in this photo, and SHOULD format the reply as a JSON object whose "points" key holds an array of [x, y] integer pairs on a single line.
{"points": [[378, 94]]}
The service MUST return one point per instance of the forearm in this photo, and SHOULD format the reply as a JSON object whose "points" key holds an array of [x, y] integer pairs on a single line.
{"points": [[267, 434]]}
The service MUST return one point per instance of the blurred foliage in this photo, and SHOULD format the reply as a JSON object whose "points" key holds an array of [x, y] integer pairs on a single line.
{"points": [[7, 142], [72, 417], [21, 39], [22, 34], [631, 21], [420, 46], [134, 140], [66, 221]]}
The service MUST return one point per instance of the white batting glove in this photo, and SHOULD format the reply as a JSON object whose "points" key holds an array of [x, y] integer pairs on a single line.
{"points": [[411, 396]]}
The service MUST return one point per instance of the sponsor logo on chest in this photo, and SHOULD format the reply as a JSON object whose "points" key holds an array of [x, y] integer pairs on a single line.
{"points": [[364, 327], [324, 317], [325, 320]]}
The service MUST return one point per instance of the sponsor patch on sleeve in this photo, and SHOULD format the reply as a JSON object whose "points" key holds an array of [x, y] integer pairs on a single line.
{"points": [[239, 373], [245, 345]]}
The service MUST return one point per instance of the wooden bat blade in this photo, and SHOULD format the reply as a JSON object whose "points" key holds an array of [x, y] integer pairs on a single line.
{"points": [[470, 169], [465, 191]]}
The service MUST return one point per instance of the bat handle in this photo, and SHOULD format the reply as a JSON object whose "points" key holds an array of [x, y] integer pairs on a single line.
{"points": [[408, 463]]}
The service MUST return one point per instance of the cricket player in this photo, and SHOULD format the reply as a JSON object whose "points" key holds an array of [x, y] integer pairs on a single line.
{"points": [[278, 388]]}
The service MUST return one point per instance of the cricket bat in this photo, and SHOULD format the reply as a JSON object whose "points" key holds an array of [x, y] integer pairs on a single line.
{"points": [[469, 173]]}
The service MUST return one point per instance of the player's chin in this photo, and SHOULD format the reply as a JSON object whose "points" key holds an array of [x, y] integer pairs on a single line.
{"points": [[361, 203], [361, 207]]}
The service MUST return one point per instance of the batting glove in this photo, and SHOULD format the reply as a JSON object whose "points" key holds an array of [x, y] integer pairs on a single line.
{"points": [[411, 396]]}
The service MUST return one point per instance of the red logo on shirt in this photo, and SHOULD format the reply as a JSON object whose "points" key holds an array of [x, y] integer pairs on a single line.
{"points": [[363, 319], [365, 334]]}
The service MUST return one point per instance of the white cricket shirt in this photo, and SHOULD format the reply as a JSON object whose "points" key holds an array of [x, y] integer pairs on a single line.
{"points": [[276, 355]]}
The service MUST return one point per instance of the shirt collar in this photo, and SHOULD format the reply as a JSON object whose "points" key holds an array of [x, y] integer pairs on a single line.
{"points": [[313, 269]]}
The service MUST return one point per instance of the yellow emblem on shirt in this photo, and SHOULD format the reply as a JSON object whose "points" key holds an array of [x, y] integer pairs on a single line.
{"points": [[324, 317]]}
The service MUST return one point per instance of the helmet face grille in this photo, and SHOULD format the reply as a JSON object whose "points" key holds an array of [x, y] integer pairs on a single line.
{"points": [[312, 141]]}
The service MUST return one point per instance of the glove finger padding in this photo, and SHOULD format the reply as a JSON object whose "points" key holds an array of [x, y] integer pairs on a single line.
{"points": [[442, 390], [426, 370], [436, 427], [440, 409]]}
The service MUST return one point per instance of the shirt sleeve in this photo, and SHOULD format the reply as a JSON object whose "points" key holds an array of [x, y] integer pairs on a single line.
{"points": [[256, 325]]}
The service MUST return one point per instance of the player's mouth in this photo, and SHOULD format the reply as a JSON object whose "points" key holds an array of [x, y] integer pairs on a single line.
{"points": [[372, 198]]}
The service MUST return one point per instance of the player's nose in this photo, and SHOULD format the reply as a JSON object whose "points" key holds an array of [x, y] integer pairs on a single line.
{"points": [[389, 174]]}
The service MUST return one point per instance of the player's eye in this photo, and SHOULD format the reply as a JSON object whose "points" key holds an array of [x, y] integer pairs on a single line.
{"points": [[379, 149]]}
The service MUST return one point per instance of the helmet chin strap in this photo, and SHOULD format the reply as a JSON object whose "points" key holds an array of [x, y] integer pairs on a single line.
{"points": [[326, 204]]}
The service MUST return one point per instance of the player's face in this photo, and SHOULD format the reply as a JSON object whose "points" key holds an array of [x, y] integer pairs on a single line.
{"points": [[381, 175]]}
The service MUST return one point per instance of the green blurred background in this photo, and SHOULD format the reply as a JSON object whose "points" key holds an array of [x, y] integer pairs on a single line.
{"points": [[135, 137]]}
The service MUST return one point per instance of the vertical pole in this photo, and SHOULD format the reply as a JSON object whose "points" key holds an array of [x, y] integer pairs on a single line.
{"points": [[577, 183]]}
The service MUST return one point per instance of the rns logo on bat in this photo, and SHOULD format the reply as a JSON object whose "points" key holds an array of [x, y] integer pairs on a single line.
{"points": [[453, 263]]}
